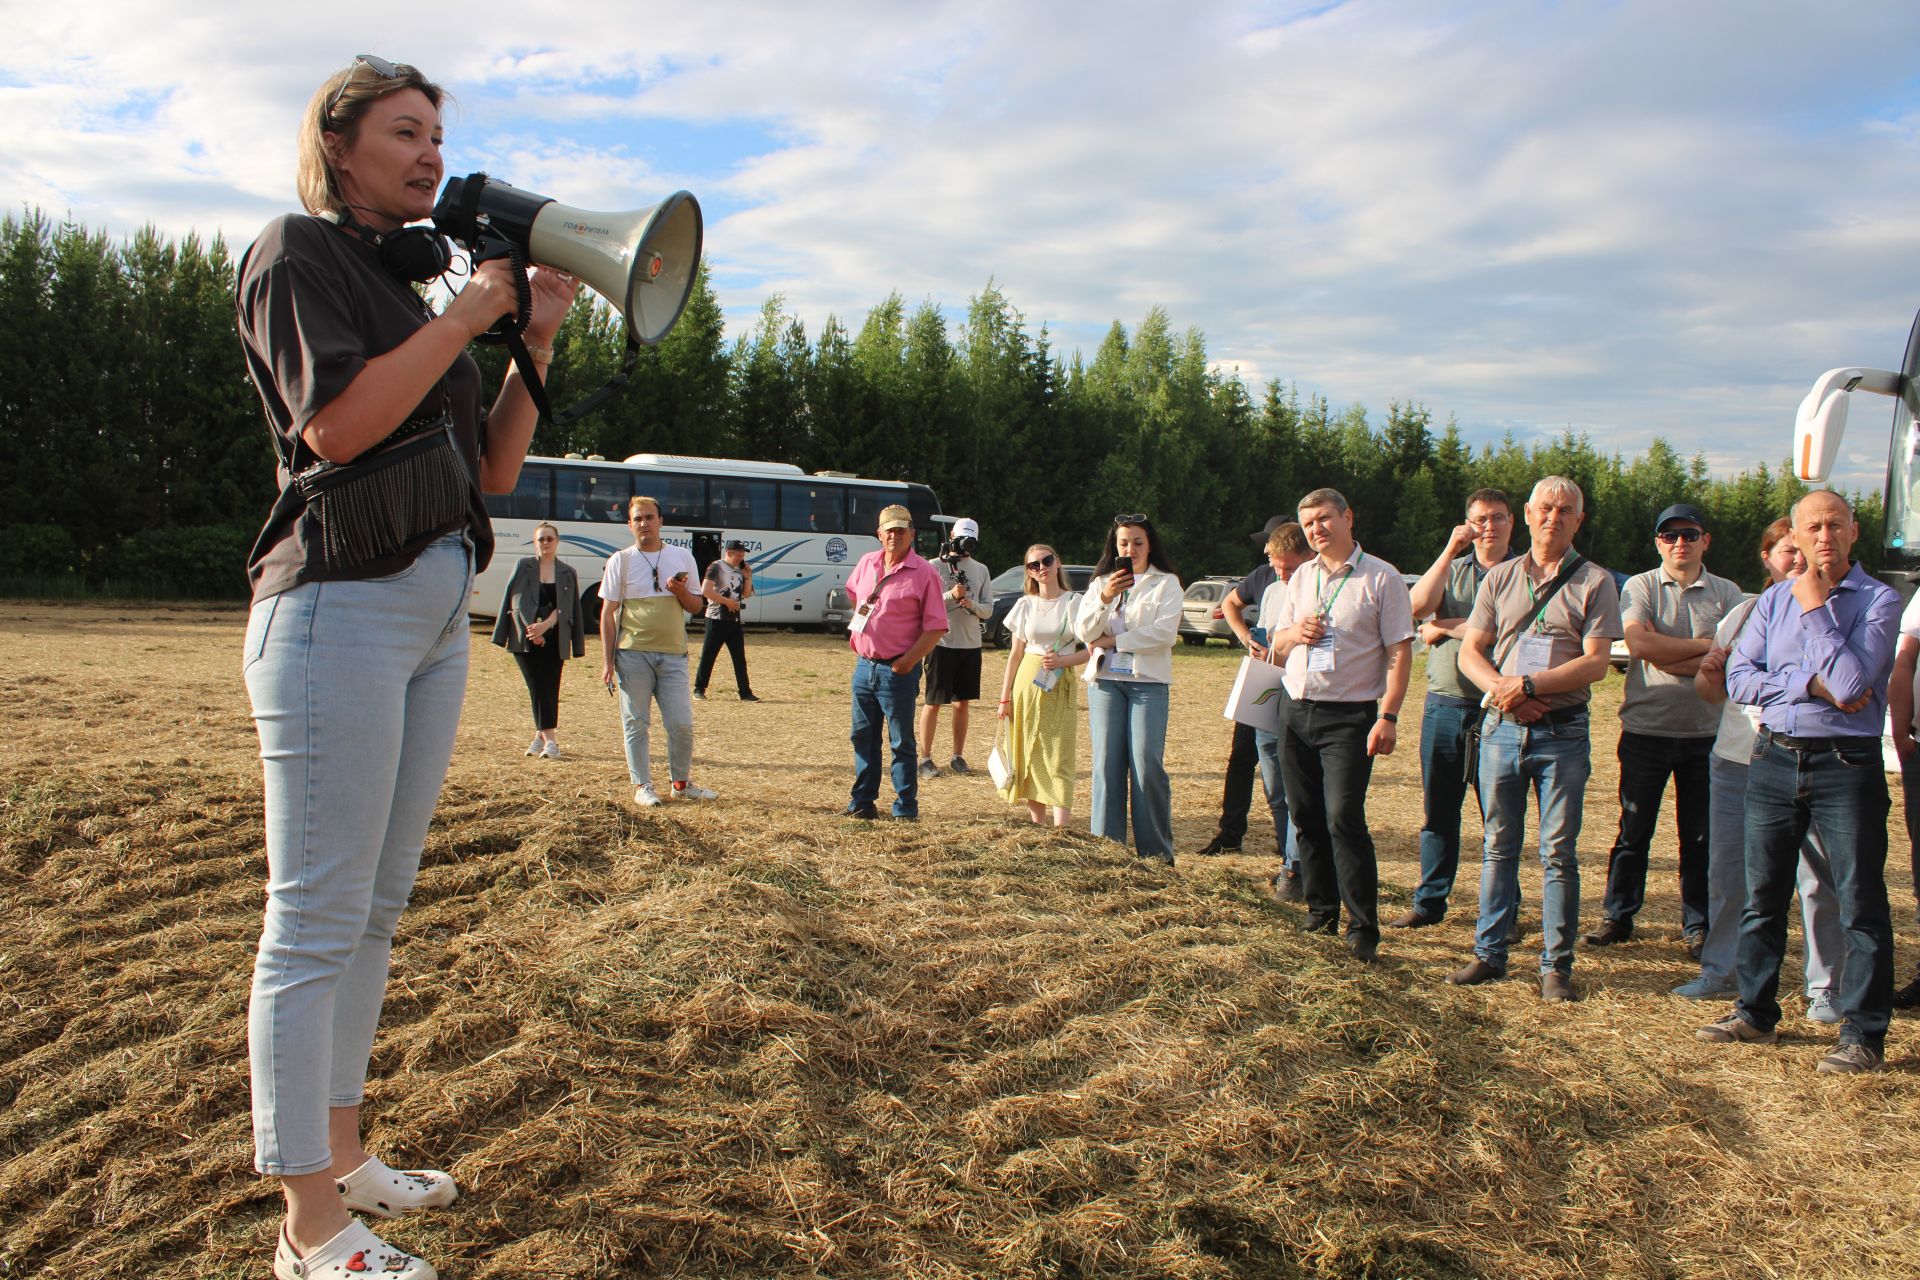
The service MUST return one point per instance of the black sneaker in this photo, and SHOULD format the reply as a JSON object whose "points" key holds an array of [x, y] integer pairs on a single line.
{"points": [[699, 695], [747, 697], [1215, 847], [1908, 997], [865, 812]]}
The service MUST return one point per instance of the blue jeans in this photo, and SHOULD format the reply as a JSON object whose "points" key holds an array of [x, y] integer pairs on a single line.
{"points": [[1553, 761], [879, 694], [356, 690], [1127, 721], [1842, 791], [1268, 745], [1444, 722], [647, 678], [1727, 888]]}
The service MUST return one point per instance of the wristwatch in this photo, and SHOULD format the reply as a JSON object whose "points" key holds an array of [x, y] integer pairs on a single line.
{"points": [[1526, 685], [1390, 717]]}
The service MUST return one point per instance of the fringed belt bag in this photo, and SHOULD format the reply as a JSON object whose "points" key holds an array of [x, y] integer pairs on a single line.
{"points": [[410, 484]]}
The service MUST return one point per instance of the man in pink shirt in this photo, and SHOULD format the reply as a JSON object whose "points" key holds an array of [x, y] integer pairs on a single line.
{"points": [[899, 614]]}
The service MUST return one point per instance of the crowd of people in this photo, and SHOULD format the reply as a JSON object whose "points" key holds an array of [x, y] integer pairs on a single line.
{"points": [[1765, 714]]}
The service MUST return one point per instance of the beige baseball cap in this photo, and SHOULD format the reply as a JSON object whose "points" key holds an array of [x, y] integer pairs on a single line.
{"points": [[895, 517]]}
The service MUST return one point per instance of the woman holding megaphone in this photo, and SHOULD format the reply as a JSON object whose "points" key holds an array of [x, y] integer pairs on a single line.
{"points": [[356, 649]]}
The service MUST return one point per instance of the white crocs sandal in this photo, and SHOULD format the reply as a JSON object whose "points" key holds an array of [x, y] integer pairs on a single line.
{"points": [[387, 1193], [355, 1254]]}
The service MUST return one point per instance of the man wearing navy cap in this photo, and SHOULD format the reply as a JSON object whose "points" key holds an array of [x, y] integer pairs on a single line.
{"points": [[1666, 728]]}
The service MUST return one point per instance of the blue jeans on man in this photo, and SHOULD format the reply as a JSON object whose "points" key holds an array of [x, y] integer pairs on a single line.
{"points": [[881, 694], [1837, 785], [1552, 759], [1127, 726], [1267, 744], [1444, 722]]}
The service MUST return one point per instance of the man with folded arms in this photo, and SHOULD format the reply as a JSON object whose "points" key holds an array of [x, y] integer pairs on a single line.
{"points": [[1816, 659], [1666, 728], [1444, 597], [1534, 736], [1345, 634]]}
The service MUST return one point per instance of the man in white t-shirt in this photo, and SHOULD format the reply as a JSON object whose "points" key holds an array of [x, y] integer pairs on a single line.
{"points": [[1902, 713], [644, 603]]}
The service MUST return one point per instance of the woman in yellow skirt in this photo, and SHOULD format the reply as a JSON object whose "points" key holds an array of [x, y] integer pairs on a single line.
{"points": [[1036, 694]]}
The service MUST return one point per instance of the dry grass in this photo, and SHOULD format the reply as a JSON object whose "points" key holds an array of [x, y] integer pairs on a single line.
{"points": [[758, 1039]]}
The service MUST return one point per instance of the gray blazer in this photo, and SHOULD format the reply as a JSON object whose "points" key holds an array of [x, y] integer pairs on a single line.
{"points": [[521, 603]]}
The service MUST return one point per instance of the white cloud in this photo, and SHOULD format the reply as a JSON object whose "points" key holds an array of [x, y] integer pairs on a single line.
{"points": [[1654, 218]]}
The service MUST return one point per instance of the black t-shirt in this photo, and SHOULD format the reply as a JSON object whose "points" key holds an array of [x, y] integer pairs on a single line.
{"points": [[1255, 585], [315, 305]]}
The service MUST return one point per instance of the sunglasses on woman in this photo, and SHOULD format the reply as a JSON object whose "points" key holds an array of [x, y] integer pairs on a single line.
{"points": [[1044, 562], [1130, 518], [379, 66]]}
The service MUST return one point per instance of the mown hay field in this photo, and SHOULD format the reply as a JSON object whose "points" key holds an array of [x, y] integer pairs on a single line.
{"points": [[757, 1039]]}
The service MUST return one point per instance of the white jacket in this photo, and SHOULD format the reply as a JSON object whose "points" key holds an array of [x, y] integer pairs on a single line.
{"points": [[1151, 607]]}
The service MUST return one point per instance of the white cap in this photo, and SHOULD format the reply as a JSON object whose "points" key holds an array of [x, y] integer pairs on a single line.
{"points": [[966, 527]]}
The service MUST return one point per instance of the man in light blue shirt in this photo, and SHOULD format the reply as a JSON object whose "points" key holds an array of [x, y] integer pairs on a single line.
{"points": [[1815, 659]]}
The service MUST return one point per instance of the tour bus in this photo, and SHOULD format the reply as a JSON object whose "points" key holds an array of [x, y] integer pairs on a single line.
{"points": [[804, 533]]}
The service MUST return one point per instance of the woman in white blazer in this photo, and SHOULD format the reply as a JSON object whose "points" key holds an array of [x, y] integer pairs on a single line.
{"points": [[1130, 619], [539, 623]]}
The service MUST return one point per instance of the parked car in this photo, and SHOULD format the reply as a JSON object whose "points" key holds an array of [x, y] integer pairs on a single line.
{"points": [[1006, 592], [1201, 618]]}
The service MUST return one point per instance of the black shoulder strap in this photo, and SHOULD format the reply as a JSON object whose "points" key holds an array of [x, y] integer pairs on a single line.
{"points": [[1567, 566]]}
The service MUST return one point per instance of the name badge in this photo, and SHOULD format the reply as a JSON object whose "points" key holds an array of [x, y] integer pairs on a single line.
{"points": [[1120, 664], [1534, 655], [861, 616], [1320, 653], [1044, 680]]}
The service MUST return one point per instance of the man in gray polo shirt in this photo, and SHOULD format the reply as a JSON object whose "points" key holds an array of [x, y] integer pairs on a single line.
{"points": [[1666, 728], [1551, 646]]}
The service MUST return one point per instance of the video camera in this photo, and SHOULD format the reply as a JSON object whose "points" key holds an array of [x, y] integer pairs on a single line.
{"points": [[954, 550]]}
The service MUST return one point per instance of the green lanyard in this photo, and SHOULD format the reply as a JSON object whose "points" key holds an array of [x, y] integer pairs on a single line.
{"points": [[1324, 601], [1540, 618]]}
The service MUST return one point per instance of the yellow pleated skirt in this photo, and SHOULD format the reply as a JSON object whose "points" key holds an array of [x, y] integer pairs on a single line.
{"points": [[1040, 742]]}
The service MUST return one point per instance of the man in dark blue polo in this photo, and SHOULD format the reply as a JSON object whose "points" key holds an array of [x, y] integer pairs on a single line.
{"points": [[1815, 659]]}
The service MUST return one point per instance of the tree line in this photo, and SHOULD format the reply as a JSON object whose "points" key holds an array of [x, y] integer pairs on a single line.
{"points": [[133, 451]]}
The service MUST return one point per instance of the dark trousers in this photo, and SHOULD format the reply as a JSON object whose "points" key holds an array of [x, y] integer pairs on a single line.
{"points": [[1324, 761], [1646, 762], [1243, 762], [1841, 790], [540, 668], [1444, 722], [732, 633]]}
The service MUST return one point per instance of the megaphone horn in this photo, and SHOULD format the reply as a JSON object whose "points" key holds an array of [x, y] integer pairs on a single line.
{"points": [[642, 261]]}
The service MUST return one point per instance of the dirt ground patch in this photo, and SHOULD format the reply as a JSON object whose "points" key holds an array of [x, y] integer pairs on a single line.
{"points": [[757, 1039]]}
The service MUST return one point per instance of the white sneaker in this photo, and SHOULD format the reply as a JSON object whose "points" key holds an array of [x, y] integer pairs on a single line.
{"points": [[533, 748], [553, 750], [644, 797], [688, 791], [387, 1193], [354, 1253], [1820, 1009]]}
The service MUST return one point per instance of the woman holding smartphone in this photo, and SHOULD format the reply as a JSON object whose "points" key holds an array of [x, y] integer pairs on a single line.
{"points": [[1130, 618], [1036, 694]]}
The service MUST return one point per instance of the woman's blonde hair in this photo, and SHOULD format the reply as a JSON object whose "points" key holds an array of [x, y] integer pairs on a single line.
{"points": [[1030, 584], [337, 107]]}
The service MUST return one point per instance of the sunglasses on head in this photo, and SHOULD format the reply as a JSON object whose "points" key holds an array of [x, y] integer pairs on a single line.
{"points": [[1679, 535], [379, 66], [1044, 562], [1130, 518]]}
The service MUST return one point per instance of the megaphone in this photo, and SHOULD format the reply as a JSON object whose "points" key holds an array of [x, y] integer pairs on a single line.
{"points": [[642, 261]]}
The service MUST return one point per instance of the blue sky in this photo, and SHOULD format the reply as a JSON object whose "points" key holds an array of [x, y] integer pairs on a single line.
{"points": [[1634, 219]]}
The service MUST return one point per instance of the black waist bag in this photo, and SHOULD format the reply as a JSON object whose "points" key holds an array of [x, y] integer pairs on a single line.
{"points": [[407, 486]]}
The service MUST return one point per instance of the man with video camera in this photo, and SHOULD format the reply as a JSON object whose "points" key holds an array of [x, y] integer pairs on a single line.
{"points": [[953, 668]]}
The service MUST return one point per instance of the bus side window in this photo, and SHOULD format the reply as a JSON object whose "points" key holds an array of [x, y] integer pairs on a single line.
{"points": [[531, 499], [582, 493], [864, 505], [812, 508], [742, 504]]}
